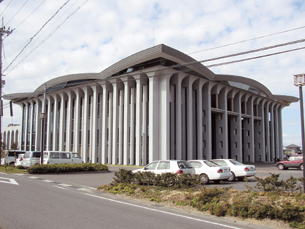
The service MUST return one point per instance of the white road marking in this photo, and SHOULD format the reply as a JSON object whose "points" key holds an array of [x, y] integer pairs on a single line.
{"points": [[48, 181], [164, 212], [8, 181]]}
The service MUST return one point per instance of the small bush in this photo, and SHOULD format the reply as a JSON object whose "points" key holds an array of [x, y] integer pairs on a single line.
{"points": [[66, 168]]}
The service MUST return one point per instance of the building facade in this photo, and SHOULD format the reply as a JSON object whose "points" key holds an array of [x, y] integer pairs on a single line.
{"points": [[10, 136], [158, 103]]}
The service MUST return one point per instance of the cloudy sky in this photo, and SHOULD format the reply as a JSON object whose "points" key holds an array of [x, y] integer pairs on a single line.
{"points": [[54, 38]]}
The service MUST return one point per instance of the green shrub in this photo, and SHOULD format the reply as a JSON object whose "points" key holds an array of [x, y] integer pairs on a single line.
{"points": [[66, 168], [123, 176], [217, 208]]}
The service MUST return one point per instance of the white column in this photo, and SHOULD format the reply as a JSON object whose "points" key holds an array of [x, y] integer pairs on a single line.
{"points": [[94, 106], [132, 126], [55, 126], [38, 125], [110, 129], [190, 117], [77, 121], [85, 125], [126, 121], [104, 125], [153, 122], [61, 122], [121, 109], [115, 124], [139, 121], [144, 126], [69, 120], [48, 131]]}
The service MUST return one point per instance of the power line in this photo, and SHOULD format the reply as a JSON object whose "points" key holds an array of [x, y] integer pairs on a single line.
{"points": [[242, 41], [29, 15], [36, 34], [17, 12], [6, 8], [52, 32], [173, 67]]}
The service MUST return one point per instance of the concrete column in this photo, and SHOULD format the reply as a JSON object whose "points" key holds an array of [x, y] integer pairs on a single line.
{"points": [[69, 120], [144, 124], [62, 121], [104, 115], [49, 121], [85, 125], [77, 123], [94, 123], [126, 121], [38, 125], [154, 131], [139, 108], [132, 126], [55, 126], [121, 127], [115, 123], [110, 129]]}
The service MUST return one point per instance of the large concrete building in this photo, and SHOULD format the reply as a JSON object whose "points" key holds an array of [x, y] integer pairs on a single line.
{"points": [[158, 103]]}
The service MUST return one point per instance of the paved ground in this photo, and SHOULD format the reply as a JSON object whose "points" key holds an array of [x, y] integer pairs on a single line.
{"points": [[94, 180]]}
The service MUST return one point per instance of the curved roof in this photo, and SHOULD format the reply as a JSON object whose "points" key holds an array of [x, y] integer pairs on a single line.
{"points": [[246, 81], [154, 56]]}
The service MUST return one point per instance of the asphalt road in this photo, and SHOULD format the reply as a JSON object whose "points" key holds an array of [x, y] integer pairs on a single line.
{"points": [[94, 180], [36, 202]]}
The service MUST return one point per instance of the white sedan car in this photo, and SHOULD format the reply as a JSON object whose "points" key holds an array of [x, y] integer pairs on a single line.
{"points": [[208, 170], [167, 166], [19, 159], [238, 169]]}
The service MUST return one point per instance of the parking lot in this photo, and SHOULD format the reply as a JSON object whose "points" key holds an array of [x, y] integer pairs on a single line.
{"points": [[94, 180]]}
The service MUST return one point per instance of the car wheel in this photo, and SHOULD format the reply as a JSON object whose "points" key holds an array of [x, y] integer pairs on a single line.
{"points": [[204, 179], [281, 167], [232, 177], [216, 181], [301, 166]]}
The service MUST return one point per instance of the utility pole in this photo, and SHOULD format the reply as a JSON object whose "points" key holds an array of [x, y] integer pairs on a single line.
{"points": [[3, 32]]}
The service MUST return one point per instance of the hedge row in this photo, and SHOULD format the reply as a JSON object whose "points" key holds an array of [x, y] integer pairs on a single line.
{"points": [[148, 178], [66, 168]]}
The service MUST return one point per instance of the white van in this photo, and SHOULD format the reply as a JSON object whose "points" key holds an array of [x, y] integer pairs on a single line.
{"points": [[31, 158], [10, 156], [58, 157]]}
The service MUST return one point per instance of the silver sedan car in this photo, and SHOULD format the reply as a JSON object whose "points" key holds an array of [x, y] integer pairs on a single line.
{"points": [[238, 169]]}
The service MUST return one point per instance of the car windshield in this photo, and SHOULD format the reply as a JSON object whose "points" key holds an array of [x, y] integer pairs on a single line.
{"points": [[236, 162], [211, 164]]}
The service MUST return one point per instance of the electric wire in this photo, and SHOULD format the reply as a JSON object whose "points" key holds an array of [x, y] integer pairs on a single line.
{"points": [[6, 8], [29, 15], [52, 32], [161, 73], [36, 34], [17, 12], [242, 41]]}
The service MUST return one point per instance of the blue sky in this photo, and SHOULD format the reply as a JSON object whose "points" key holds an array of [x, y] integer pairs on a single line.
{"points": [[102, 32]]}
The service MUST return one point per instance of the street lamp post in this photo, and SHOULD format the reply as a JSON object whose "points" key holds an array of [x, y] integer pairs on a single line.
{"points": [[299, 81]]}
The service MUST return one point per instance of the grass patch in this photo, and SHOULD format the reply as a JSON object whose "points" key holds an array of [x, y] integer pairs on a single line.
{"points": [[11, 169], [271, 199]]}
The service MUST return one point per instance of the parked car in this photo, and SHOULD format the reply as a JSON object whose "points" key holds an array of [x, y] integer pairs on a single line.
{"points": [[59, 157], [238, 169], [294, 161], [31, 158], [19, 160], [208, 170], [168, 166], [10, 156]]}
